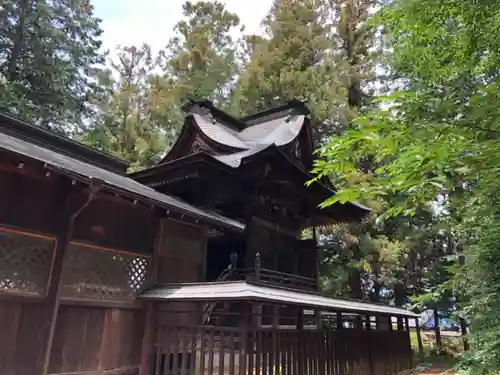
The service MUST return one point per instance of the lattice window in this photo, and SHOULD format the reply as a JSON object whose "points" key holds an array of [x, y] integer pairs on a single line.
{"points": [[24, 262], [104, 275]]}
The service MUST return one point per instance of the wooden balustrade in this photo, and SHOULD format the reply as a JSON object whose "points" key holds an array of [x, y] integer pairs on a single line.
{"points": [[232, 351], [289, 343]]}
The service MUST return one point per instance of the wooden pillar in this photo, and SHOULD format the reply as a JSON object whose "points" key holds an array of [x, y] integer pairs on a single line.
{"points": [[257, 267], [368, 325], [300, 344], [407, 327], [318, 286], [463, 331], [243, 360], [437, 331], [400, 323], [234, 264], [258, 307], [204, 253], [317, 319], [370, 340], [419, 339], [148, 338], [51, 302]]}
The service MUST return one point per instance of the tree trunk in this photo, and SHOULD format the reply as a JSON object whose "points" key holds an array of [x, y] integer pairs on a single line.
{"points": [[437, 331], [399, 294], [18, 41], [356, 291]]}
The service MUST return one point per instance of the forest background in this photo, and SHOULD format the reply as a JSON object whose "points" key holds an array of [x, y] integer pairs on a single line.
{"points": [[404, 105]]}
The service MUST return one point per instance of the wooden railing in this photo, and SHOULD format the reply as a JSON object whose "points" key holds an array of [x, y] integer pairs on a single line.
{"points": [[273, 277], [268, 276], [260, 275], [229, 351]]}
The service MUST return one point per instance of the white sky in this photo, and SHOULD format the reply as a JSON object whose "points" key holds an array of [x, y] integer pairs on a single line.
{"points": [[133, 22]]}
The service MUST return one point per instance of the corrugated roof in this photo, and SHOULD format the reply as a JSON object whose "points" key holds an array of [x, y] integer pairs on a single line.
{"points": [[77, 168], [239, 290]]}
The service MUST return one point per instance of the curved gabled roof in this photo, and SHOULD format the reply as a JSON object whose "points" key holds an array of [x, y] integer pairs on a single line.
{"points": [[218, 132], [223, 133], [279, 131]]}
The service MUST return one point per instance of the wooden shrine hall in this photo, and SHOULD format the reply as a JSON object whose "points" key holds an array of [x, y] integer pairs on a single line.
{"points": [[195, 266]]}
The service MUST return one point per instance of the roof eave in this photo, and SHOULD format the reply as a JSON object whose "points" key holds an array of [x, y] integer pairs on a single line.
{"points": [[263, 292], [37, 135], [122, 185]]}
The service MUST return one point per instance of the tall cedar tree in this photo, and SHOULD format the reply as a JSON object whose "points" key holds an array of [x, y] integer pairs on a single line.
{"points": [[124, 126], [291, 60], [47, 50], [200, 61], [140, 117], [351, 51], [352, 40]]}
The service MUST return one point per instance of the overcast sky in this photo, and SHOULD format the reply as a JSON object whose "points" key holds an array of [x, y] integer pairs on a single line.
{"points": [[132, 22]]}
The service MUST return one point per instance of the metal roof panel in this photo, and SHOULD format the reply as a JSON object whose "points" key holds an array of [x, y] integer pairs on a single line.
{"points": [[238, 290]]}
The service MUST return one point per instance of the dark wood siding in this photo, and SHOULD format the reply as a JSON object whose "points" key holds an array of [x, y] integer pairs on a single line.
{"points": [[96, 338], [20, 326], [113, 224], [181, 253], [30, 203]]}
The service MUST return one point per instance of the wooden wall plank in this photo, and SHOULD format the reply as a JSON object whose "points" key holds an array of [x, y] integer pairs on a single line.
{"points": [[28, 354], [95, 338], [10, 314], [77, 339]]}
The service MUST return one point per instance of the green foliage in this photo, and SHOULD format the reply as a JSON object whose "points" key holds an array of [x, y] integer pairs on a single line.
{"points": [[201, 59], [286, 61], [125, 126], [140, 115], [435, 140], [484, 302], [48, 50]]}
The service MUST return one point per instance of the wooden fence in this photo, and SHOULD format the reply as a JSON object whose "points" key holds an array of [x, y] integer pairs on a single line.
{"points": [[231, 351]]}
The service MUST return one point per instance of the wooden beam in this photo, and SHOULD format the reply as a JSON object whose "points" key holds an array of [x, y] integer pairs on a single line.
{"points": [[149, 321], [419, 339], [147, 340], [52, 299]]}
